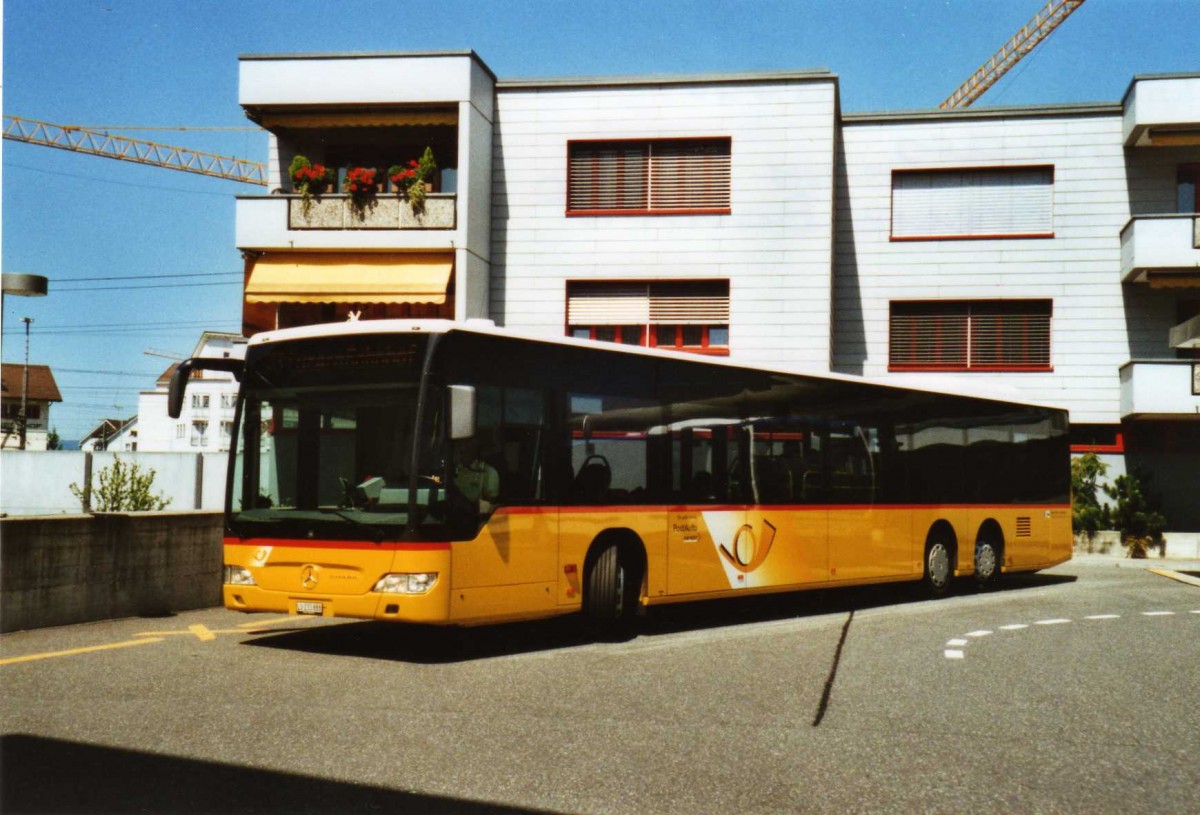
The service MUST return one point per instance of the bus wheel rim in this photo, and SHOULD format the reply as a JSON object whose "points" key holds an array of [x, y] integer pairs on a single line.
{"points": [[939, 565], [985, 561]]}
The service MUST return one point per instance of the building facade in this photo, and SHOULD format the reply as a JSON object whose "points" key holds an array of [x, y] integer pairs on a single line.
{"points": [[42, 393], [1050, 253], [205, 425]]}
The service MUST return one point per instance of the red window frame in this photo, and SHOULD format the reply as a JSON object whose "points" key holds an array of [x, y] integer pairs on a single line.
{"points": [[643, 192]]}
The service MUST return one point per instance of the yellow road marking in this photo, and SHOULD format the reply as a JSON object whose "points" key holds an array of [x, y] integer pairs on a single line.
{"points": [[1182, 578], [201, 632], [75, 651]]}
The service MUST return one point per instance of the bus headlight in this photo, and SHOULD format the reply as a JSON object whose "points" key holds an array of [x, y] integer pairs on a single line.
{"points": [[418, 583], [238, 576]]}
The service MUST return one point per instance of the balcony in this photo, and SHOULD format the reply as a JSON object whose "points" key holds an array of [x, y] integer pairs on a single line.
{"points": [[282, 222], [1153, 389], [1162, 111], [1162, 250], [386, 212]]}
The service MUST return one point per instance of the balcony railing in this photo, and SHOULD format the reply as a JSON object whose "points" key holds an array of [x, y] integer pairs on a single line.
{"points": [[1160, 388], [334, 212], [1156, 248]]}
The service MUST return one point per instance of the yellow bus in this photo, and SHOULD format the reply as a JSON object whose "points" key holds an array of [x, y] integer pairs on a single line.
{"points": [[438, 472]]}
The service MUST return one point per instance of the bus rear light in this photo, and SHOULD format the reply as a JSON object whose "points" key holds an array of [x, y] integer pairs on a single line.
{"points": [[238, 576], [418, 583]]}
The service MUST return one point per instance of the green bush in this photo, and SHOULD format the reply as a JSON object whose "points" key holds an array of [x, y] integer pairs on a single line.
{"points": [[1088, 516], [1136, 513], [123, 488]]}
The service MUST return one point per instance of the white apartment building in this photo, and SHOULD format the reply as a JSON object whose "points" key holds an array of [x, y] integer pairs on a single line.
{"points": [[206, 423], [1048, 253]]}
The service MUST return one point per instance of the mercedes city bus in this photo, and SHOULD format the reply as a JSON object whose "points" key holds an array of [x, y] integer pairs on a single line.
{"points": [[439, 472]]}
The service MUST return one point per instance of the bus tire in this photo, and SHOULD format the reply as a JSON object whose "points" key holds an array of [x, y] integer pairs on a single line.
{"points": [[939, 566], [611, 592], [987, 563]]}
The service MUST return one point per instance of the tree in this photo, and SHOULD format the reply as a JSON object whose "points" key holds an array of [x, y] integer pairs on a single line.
{"points": [[53, 442], [1136, 514], [1088, 516], [123, 488]]}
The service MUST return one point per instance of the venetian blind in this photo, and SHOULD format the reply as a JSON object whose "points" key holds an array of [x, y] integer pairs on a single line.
{"points": [[970, 335], [665, 175], [685, 303], [973, 203]]}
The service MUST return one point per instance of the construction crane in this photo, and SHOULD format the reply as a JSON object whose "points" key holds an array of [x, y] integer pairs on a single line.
{"points": [[100, 143], [1025, 40]]}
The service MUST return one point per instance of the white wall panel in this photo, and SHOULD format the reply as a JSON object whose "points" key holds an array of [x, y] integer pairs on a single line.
{"points": [[1079, 269], [775, 248]]}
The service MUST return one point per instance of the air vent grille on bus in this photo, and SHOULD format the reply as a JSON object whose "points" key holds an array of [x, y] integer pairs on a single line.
{"points": [[1024, 527]]}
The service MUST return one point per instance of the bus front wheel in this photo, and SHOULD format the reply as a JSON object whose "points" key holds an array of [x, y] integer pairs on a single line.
{"points": [[611, 594], [938, 567]]}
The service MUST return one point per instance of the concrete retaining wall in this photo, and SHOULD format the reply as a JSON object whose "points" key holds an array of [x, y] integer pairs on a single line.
{"points": [[64, 570]]}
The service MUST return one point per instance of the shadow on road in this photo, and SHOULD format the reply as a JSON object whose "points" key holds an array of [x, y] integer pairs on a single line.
{"points": [[51, 776], [438, 644]]}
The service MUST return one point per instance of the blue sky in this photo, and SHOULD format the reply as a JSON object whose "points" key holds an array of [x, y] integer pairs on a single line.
{"points": [[76, 219]]}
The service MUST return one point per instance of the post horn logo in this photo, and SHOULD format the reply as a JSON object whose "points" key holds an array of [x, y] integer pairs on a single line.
{"points": [[746, 554], [308, 576]]}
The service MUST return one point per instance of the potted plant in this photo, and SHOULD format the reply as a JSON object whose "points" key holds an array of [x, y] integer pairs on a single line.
{"points": [[360, 186], [413, 181], [308, 179]]}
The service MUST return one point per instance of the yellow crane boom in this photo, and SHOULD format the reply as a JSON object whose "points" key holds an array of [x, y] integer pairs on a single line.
{"points": [[1025, 40], [99, 143]]}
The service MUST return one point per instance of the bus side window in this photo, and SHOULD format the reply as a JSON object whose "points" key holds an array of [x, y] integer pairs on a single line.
{"points": [[610, 441], [511, 428]]}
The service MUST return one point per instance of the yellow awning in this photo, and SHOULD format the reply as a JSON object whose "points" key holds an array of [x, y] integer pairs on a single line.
{"points": [[359, 118], [310, 277]]}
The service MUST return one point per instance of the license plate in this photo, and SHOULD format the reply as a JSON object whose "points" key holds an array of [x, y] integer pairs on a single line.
{"points": [[310, 608]]}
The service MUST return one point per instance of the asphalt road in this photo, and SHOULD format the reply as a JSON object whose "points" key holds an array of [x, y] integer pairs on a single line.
{"points": [[1076, 690]]}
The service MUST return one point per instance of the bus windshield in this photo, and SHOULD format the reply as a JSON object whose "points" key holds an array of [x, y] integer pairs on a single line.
{"points": [[330, 443]]}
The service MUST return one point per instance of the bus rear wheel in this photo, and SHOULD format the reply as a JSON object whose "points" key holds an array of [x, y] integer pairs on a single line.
{"points": [[611, 592], [938, 567], [987, 563]]}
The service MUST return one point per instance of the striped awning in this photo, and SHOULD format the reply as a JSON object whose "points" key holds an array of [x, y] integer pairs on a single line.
{"points": [[310, 277], [359, 118]]}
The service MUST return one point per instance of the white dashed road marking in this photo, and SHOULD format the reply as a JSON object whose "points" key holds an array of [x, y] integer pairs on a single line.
{"points": [[955, 646]]}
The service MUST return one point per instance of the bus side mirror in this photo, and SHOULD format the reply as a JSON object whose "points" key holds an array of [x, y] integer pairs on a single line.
{"points": [[183, 372], [462, 412], [179, 381]]}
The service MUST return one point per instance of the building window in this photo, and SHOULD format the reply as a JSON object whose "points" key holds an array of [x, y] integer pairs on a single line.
{"points": [[685, 316], [226, 431], [181, 431], [228, 400], [664, 177], [970, 335], [199, 434], [1187, 186], [994, 202], [199, 401]]}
